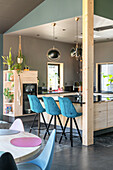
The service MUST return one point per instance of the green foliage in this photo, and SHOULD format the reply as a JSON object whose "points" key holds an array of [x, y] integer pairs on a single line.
{"points": [[8, 60], [107, 84], [108, 98], [8, 94], [110, 80], [17, 67], [104, 76]]}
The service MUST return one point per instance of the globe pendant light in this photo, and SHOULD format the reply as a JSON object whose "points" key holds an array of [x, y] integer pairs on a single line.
{"points": [[53, 53]]}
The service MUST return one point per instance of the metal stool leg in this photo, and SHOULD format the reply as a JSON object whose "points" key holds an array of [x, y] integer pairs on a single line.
{"points": [[39, 124], [55, 127], [64, 130], [61, 126], [48, 126], [33, 123], [71, 137], [45, 123], [77, 129]]}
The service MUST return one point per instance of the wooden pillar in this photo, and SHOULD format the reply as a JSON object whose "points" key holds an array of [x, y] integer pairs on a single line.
{"points": [[88, 71]]}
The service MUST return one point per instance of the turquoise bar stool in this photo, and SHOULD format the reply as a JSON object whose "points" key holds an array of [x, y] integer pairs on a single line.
{"points": [[36, 107], [69, 111], [52, 109]]}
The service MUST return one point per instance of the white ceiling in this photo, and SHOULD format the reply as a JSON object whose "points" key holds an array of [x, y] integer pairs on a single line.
{"points": [[70, 35]]}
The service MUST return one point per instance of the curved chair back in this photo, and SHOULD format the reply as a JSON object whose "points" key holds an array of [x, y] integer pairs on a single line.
{"points": [[51, 106], [44, 160], [17, 125], [67, 108], [7, 162], [35, 104]]}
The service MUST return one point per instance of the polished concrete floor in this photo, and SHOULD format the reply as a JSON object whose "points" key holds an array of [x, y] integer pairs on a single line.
{"points": [[96, 157]]}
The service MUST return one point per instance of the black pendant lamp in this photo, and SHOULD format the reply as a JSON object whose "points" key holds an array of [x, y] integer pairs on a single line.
{"points": [[53, 53]]}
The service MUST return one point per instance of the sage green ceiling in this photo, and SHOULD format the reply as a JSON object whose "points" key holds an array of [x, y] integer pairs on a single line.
{"points": [[49, 11], [12, 11], [104, 8], [55, 10]]}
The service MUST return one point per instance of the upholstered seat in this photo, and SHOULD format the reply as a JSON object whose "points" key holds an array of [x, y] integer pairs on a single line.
{"points": [[67, 108], [51, 106], [28, 166], [69, 111], [52, 109], [36, 107]]}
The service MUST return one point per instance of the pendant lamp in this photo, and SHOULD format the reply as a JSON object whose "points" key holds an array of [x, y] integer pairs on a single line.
{"points": [[76, 51], [20, 56], [53, 53]]}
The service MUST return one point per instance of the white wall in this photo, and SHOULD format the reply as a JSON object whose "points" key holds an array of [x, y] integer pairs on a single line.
{"points": [[35, 50]]}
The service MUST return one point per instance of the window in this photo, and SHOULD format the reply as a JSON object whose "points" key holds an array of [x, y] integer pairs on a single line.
{"points": [[55, 76], [106, 69]]}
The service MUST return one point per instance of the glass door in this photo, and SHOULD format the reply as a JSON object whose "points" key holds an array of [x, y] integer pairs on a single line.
{"points": [[53, 77]]}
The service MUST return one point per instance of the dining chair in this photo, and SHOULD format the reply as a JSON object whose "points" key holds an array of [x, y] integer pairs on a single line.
{"points": [[36, 107], [7, 162], [68, 110], [17, 125], [44, 160], [52, 109]]}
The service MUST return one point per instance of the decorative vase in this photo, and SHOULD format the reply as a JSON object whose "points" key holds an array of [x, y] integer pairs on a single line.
{"points": [[9, 67]]}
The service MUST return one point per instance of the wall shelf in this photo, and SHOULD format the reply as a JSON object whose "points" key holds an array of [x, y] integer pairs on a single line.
{"points": [[16, 106]]}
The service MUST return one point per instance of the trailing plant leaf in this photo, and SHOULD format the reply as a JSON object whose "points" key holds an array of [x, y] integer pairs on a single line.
{"points": [[110, 76], [104, 76], [107, 84], [108, 98]]}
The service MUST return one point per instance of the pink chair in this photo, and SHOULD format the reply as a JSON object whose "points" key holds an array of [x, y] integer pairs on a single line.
{"points": [[17, 125]]}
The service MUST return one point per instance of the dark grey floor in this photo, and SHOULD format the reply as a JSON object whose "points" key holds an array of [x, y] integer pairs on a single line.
{"points": [[96, 157]]}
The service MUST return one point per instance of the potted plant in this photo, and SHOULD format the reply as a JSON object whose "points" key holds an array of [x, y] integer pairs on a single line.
{"points": [[8, 95], [8, 60], [20, 63]]}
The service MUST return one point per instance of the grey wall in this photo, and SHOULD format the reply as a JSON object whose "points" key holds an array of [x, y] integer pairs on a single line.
{"points": [[103, 52], [35, 50], [1, 77]]}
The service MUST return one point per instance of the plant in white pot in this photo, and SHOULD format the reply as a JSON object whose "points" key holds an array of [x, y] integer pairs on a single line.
{"points": [[8, 60], [8, 95]]}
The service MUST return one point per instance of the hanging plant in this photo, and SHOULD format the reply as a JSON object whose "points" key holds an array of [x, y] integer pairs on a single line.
{"points": [[20, 63]]}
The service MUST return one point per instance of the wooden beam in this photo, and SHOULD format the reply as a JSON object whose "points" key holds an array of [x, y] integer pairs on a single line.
{"points": [[88, 71]]}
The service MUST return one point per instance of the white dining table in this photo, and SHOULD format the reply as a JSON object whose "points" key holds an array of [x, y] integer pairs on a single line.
{"points": [[20, 154]]}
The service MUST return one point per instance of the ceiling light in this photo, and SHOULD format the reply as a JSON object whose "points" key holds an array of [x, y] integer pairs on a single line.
{"points": [[64, 29]]}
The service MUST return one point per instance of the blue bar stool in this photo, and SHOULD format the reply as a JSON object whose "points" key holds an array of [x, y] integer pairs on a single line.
{"points": [[52, 109], [69, 111], [36, 107]]}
